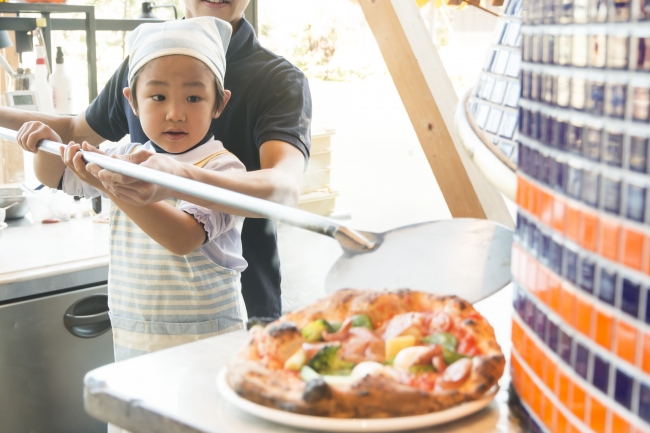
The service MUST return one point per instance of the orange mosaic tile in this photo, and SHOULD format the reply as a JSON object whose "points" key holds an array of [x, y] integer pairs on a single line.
{"points": [[589, 230], [517, 335], [610, 233], [526, 348], [632, 249], [572, 229], [533, 200], [554, 293], [563, 388], [549, 373], [619, 424], [567, 306], [546, 208], [604, 326], [529, 190], [559, 215], [548, 413], [560, 422], [626, 341], [583, 316], [577, 401], [522, 187], [527, 385], [536, 400], [597, 416], [645, 362], [537, 363]]}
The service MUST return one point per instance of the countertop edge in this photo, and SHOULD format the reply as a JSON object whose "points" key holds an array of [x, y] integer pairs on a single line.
{"points": [[64, 268], [130, 415]]}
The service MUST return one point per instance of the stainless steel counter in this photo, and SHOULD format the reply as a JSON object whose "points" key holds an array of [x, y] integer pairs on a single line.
{"points": [[41, 258]]}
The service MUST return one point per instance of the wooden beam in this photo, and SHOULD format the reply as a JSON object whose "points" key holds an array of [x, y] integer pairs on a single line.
{"points": [[430, 101]]}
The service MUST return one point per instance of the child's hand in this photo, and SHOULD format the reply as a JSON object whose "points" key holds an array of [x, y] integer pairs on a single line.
{"points": [[32, 132], [73, 159]]}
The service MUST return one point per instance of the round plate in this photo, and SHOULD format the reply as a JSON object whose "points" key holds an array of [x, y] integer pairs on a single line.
{"points": [[349, 425]]}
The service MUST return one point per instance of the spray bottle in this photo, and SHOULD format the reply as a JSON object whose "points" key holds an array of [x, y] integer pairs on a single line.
{"points": [[42, 87], [61, 84]]}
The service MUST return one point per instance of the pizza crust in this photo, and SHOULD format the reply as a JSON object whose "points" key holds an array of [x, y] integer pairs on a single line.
{"points": [[375, 396]]}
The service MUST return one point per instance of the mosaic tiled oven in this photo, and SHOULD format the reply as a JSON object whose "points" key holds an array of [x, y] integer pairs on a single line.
{"points": [[581, 259]]}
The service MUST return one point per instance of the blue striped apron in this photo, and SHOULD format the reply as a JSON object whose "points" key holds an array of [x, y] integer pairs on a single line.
{"points": [[158, 299]]}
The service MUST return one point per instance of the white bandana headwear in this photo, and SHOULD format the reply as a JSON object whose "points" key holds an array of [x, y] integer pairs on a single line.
{"points": [[204, 38]]}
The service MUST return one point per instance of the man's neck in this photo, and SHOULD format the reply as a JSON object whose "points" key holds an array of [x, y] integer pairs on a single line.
{"points": [[235, 25]]}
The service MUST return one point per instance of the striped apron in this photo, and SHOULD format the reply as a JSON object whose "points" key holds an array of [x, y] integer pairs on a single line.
{"points": [[158, 299]]}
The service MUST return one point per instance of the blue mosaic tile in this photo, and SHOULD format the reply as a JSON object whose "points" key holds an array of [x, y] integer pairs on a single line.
{"points": [[607, 289], [638, 154], [601, 374], [571, 265], [636, 202], [534, 427], [520, 222], [647, 309], [590, 187], [561, 176], [587, 274], [529, 312], [581, 360], [544, 248], [630, 297], [612, 195], [534, 236], [544, 169], [540, 324], [623, 389], [574, 182], [564, 347], [555, 257], [552, 335], [560, 134], [644, 402], [530, 236]]}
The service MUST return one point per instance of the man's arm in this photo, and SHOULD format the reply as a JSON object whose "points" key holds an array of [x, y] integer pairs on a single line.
{"points": [[278, 180], [69, 128]]}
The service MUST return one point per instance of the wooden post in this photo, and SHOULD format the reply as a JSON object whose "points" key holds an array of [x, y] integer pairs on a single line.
{"points": [[430, 101], [12, 169]]}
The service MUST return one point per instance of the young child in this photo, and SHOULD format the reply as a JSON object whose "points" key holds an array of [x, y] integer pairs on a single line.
{"points": [[174, 269]]}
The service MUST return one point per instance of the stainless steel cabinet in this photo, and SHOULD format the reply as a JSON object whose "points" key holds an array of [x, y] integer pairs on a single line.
{"points": [[47, 345]]}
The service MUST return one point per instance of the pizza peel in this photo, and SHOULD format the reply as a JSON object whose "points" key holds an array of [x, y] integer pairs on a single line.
{"points": [[469, 258]]}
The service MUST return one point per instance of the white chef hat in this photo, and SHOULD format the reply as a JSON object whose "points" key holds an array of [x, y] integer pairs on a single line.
{"points": [[204, 38]]}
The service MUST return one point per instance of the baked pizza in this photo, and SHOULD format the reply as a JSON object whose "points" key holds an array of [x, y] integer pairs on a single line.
{"points": [[370, 354]]}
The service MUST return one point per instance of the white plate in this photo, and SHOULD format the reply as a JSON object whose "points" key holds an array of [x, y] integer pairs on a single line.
{"points": [[348, 425]]}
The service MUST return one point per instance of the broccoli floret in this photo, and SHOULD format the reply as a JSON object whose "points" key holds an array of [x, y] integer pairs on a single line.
{"points": [[314, 330], [451, 356], [443, 339], [362, 320], [326, 362]]}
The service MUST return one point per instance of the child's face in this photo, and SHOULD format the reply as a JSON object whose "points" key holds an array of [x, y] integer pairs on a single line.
{"points": [[176, 101]]}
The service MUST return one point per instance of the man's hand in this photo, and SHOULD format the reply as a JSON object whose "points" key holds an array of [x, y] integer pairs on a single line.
{"points": [[132, 190], [73, 159]]}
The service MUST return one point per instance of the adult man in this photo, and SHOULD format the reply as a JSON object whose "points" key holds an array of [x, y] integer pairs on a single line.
{"points": [[266, 124]]}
